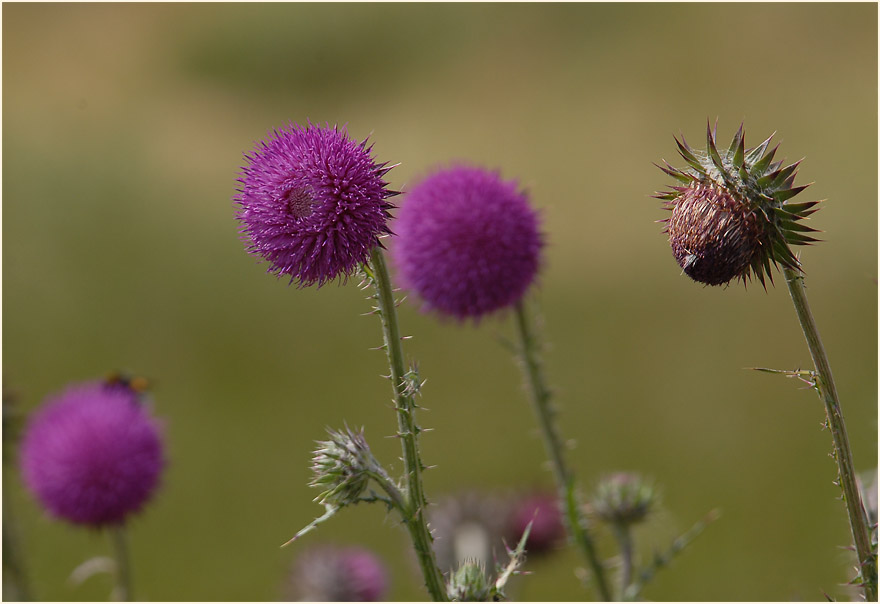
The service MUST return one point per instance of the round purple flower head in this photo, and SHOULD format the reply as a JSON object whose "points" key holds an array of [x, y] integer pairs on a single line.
{"points": [[468, 242], [92, 455], [312, 202], [339, 574]]}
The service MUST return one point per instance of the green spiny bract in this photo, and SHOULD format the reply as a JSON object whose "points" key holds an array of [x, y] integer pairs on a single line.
{"points": [[341, 467], [732, 215], [469, 583]]}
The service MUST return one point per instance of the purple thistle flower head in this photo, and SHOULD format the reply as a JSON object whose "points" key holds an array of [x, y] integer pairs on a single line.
{"points": [[312, 202], [92, 454], [339, 574], [467, 242]]}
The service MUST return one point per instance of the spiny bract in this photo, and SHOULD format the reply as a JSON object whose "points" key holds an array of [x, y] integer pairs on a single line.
{"points": [[732, 215]]}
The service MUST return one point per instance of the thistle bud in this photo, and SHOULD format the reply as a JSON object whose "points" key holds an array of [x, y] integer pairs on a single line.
{"points": [[469, 583], [341, 467], [624, 499], [731, 215]]}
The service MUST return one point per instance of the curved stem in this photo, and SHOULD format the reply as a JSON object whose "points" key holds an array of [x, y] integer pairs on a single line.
{"points": [[123, 566], [858, 519], [540, 396], [408, 431]]}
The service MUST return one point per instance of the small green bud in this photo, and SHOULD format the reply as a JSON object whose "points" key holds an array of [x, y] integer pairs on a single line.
{"points": [[624, 499], [341, 467], [469, 583]]}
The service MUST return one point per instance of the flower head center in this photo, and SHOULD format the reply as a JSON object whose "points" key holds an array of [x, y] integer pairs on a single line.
{"points": [[300, 202]]}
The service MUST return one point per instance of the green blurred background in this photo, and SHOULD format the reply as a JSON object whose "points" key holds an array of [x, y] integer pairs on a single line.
{"points": [[124, 128]]}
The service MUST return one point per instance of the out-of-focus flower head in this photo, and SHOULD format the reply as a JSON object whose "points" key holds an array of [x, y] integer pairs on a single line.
{"points": [[542, 510], [624, 498], [469, 526], [339, 574], [92, 454], [467, 243]]}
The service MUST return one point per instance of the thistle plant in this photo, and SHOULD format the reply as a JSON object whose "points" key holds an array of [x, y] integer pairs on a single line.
{"points": [[733, 218], [314, 204], [469, 245], [622, 501], [93, 456]]}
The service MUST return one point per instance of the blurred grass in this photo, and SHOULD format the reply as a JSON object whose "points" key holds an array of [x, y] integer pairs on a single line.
{"points": [[123, 132]]}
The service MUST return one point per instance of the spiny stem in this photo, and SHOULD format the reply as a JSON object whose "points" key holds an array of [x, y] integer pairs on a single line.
{"points": [[852, 498], [123, 589], [541, 403], [415, 501]]}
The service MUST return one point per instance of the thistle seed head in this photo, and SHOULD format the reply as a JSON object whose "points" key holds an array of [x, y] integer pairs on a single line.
{"points": [[732, 214]]}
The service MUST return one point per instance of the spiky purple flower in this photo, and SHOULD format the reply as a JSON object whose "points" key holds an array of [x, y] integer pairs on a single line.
{"points": [[312, 202], [467, 242], [339, 574], [92, 454]]}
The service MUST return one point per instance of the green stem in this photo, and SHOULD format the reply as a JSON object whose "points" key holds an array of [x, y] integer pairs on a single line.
{"points": [[415, 501], [123, 566], [541, 403], [858, 519], [623, 533]]}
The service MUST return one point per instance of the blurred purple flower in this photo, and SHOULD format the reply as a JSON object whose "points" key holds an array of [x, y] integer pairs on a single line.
{"points": [[542, 510], [92, 454], [312, 202], [468, 243], [339, 574]]}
